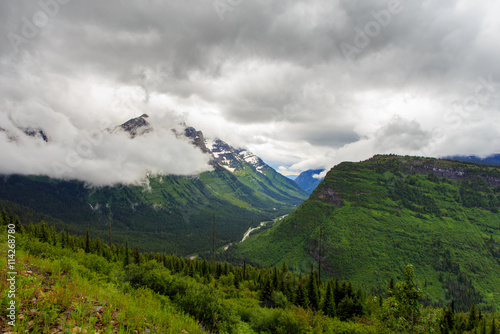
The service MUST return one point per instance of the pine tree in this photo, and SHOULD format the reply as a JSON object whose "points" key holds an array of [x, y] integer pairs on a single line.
{"points": [[126, 260], [483, 326], [337, 294], [329, 303], [44, 233], [284, 267], [345, 309], [390, 287], [471, 320], [493, 327], [236, 281], [301, 296], [406, 294], [4, 218], [87, 241], [447, 322], [274, 278], [266, 292], [313, 291], [19, 226], [137, 255]]}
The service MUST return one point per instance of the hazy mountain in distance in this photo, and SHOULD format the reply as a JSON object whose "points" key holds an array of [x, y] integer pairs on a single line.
{"points": [[307, 181], [490, 160]]}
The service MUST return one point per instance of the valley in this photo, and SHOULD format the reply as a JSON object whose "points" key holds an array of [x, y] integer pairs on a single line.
{"points": [[168, 213]]}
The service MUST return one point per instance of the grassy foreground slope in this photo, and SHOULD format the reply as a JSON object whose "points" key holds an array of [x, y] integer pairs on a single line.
{"points": [[378, 215], [69, 284]]}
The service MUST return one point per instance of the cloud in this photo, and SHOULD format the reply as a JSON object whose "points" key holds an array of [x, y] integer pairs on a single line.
{"points": [[90, 152], [402, 135], [270, 76]]}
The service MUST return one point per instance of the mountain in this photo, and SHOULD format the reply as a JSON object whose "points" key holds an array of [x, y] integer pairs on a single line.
{"points": [[376, 216], [491, 160], [171, 213], [307, 181], [136, 126]]}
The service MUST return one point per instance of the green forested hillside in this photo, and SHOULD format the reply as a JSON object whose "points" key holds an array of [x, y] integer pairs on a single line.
{"points": [[378, 215], [172, 213], [62, 283]]}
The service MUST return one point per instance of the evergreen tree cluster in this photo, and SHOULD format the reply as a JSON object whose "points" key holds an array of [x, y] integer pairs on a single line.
{"points": [[201, 289], [413, 199]]}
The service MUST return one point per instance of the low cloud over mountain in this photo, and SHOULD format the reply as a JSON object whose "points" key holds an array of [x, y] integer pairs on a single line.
{"points": [[303, 84]]}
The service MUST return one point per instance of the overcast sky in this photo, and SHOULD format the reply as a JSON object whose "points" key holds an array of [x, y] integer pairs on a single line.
{"points": [[303, 84]]}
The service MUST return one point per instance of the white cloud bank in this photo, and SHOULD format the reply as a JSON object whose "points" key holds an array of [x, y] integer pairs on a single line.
{"points": [[93, 155], [272, 76]]}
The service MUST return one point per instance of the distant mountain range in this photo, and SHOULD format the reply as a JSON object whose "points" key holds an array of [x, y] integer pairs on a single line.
{"points": [[174, 213], [491, 160], [307, 181], [371, 218]]}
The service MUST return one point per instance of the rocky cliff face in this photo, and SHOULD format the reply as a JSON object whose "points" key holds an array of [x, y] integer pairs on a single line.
{"points": [[38, 133], [453, 173], [197, 138], [136, 126], [453, 170], [330, 196]]}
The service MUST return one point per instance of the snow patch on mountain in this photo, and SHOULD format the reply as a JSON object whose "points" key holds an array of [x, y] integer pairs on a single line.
{"points": [[231, 158]]}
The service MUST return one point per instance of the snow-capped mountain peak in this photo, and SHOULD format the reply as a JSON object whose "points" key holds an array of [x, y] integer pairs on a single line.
{"points": [[230, 158]]}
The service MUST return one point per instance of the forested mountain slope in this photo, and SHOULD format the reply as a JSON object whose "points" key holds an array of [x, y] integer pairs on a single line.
{"points": [[167, 213], [378, 215]]}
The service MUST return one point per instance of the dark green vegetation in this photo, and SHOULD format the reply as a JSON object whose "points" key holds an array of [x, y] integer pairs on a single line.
{"points": [[378, 215], [75, 284], [171, 213], [306, 180]]}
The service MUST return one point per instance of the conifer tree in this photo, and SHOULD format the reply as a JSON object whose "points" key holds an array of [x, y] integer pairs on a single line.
{"points": [[493, 327], [87, 241], [483, 326], [345, 308], [275, 278], [266, 292], [236, 281], [126, 260], [471, 320], [44, 233], [301, 296], [448, 322], [337, 295], [4, 218], [313, 291], [284, 267], [329, 303], [137, 255], [19, 226], [390, 287]]}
